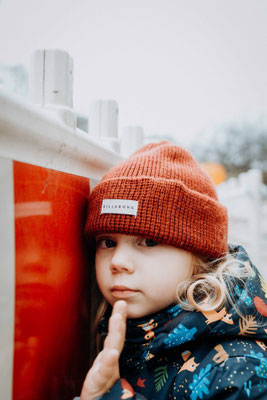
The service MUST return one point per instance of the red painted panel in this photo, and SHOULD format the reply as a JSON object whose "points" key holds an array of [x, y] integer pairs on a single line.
{"points": [[51, 284]]}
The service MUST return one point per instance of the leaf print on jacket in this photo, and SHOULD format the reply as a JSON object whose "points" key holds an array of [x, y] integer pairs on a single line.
{"points": [[179, 335], [261, 370], [161, 376], [175, 310], [248, 325], [200, 383], [243, 295], [247, 388]]}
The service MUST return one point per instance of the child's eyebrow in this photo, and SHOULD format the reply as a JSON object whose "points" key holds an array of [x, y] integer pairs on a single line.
{"points": [[98, 236], [102, 235]]}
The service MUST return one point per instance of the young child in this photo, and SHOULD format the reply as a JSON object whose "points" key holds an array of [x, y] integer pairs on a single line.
{"points": [[195, 306]]}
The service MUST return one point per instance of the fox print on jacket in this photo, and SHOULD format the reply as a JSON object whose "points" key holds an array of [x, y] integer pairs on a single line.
{"points": [[179, 354]]}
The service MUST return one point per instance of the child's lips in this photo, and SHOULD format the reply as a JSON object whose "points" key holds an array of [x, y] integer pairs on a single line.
{"points": [[123, 292]]}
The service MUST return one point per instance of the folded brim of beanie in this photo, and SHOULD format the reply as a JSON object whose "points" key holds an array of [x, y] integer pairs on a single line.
{"points": [[167, 211]]}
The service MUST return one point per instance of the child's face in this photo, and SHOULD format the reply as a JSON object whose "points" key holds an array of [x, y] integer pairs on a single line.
{"points": [[140, 271]]}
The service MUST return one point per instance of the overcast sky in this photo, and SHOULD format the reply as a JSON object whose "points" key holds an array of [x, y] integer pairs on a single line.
{"points": [[174, 66]]}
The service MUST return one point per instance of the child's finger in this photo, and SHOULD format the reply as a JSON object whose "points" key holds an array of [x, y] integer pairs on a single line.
{"points": [[117, 327], [117, 321], [120, 306], [105, 369]]}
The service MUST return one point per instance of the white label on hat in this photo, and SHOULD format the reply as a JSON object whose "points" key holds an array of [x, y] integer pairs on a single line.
{"points": [[119, 206]]}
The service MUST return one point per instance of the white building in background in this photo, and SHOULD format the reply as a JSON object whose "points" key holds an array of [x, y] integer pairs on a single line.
{"points": [[15, 78]]}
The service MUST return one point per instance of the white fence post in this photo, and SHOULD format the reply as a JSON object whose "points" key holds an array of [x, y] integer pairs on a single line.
{"points": [[51, 83], [103, 122], [132, 139]]}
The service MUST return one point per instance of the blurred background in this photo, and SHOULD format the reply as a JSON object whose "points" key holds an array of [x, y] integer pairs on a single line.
{"points": [[193, 71]]}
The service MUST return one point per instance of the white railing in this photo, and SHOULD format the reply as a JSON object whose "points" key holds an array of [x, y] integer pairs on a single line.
{"points": [[246, 200], [44, 131]]}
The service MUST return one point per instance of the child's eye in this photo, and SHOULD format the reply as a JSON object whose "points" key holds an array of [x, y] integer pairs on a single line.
{"points": [[148, 242], [105, 243]]}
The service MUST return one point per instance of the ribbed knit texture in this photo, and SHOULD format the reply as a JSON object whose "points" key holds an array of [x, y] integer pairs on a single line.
{"points": [[177, 201]]}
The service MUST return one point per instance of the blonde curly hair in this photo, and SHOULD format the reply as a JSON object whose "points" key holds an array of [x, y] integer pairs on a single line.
{"points": [[211, 284]]}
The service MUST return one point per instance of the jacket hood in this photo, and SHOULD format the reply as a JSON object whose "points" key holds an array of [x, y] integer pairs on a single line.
{"points": [[173, 326]]}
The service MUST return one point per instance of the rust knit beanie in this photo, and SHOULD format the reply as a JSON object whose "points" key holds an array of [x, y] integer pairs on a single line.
{"points": [[160, 192]]}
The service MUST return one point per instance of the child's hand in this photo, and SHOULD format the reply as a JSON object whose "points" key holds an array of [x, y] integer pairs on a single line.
{"points": [[105, 369]]}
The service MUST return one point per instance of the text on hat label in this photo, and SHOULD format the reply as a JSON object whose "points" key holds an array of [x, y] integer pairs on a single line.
{"points": [[119, 206]]}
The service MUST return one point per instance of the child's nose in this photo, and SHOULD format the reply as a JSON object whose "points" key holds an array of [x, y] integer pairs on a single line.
{"points": [[121, 262]]}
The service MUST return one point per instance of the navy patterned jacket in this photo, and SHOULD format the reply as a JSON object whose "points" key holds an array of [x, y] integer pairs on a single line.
{"points": [[178, 354]]}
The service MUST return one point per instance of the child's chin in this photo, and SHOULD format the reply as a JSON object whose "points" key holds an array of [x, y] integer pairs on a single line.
{"points": [[134, 313]]}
